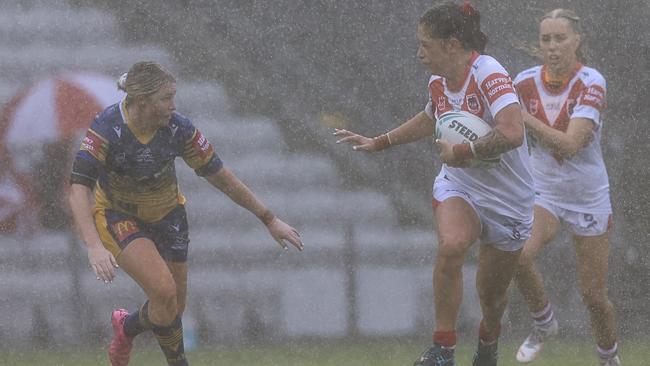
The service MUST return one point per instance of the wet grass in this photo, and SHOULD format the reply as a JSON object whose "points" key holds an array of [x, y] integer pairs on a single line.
{"points": [[380, 353]]}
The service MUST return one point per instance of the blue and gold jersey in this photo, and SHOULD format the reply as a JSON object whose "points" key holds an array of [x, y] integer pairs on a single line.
{"points": [[136, 174]]}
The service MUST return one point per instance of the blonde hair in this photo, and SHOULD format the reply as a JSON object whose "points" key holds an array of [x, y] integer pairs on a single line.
{"points": [[569, 15], [143, 79], [574, 22]]}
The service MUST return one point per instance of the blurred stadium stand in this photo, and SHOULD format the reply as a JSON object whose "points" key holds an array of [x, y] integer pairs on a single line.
{"points": [[241, 284]]}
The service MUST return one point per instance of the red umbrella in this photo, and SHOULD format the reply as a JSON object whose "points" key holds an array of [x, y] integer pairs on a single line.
{"points": [[55, 108], [52, 112]]}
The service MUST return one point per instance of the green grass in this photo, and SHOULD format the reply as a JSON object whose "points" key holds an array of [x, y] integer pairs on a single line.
{"points": [[375, 353]]}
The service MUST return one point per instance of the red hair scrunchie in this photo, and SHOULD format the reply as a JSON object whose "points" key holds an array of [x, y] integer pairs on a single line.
{"points": [[467, 9]]}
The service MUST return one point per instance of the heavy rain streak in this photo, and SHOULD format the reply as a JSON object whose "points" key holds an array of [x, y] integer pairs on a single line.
{"points": [[231, 196]]}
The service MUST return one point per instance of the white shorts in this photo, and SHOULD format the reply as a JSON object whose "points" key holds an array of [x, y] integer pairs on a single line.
{"points": [[579, 223], [503, 232]]}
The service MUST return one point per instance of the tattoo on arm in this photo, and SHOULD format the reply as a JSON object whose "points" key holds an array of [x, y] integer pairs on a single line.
{"points": [[492, 144]]}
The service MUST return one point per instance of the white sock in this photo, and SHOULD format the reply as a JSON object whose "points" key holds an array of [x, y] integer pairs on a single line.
{"points": [[608, 353], [543, 317]]}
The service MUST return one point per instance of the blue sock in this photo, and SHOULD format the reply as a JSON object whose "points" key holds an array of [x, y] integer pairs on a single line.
{"points": [[138, 321]]}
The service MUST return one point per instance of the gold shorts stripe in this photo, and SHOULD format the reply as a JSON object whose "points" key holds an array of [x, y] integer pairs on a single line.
{"points": [[104, 235]]}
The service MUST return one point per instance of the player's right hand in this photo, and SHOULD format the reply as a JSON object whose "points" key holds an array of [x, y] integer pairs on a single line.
{"points": [[447, 156], [359, 142], [102, 262]]}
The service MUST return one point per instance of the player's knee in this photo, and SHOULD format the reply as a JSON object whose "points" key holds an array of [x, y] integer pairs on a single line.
{"points": [[449, 262], [490, 299], [452, 249], [165, 296]]}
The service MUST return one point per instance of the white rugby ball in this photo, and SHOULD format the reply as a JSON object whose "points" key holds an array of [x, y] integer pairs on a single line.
{"points": [[459, 127]]}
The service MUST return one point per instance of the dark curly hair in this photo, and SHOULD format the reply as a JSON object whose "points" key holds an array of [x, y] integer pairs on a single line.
{"points": [[462, 22]]}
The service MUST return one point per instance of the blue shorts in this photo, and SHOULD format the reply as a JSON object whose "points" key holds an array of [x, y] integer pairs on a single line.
{"points": [[170, 234]]}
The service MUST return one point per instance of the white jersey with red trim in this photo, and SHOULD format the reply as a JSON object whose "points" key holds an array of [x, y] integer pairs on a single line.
{"points": [[580, 183], [506, 187]]}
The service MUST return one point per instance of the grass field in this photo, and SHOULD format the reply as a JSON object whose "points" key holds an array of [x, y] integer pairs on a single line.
{"points": [[380, 353]]}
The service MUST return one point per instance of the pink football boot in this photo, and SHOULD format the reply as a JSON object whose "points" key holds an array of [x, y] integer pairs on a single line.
{"points": [[119, 350]]}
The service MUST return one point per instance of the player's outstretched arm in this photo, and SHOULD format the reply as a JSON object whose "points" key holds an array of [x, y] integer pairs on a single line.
{"points": [[101, 260], [236, 190], [414, 129]]}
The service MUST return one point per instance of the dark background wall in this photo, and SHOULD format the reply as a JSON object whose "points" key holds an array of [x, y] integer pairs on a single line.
{"points": [[313, 65]]}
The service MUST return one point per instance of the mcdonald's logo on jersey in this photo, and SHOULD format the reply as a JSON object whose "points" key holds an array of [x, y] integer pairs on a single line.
{"points": [[125, 228]]}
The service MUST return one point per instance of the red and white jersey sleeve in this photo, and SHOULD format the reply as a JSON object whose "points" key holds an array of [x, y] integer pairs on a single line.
{"points": [[487, 89], [581, 183], [496, 85], [590, 101], [506, 188]]}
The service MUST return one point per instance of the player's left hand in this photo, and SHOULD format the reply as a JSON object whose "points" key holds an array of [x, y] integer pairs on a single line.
{"points": [[283, 233], [446, 152]]}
